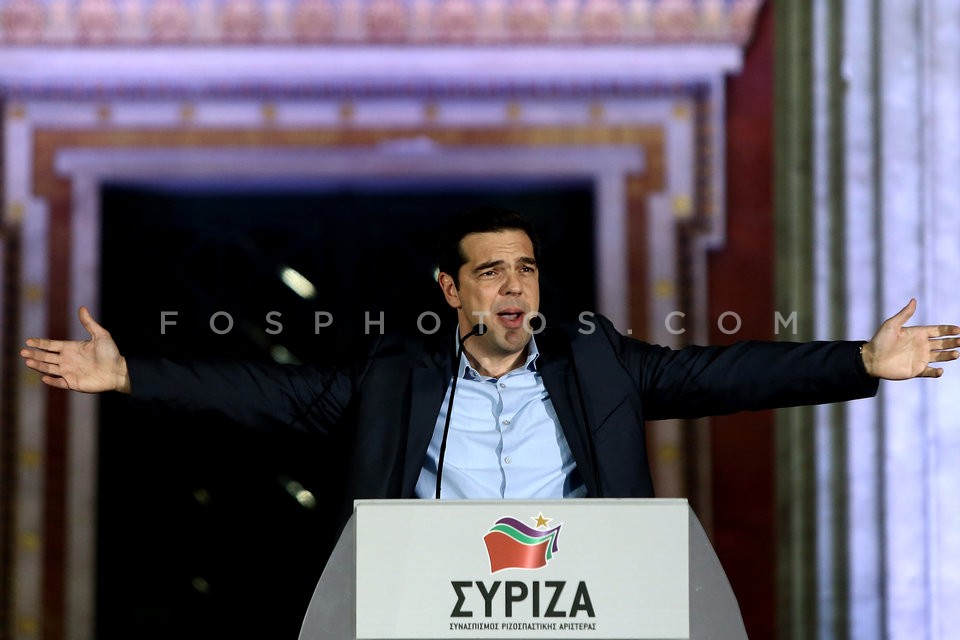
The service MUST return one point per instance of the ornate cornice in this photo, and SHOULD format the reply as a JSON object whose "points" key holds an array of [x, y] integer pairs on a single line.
{"points": [[164, 23], [83, 90]]}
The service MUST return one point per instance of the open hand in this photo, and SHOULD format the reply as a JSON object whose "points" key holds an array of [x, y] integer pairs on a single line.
{"points": [[897, 352], [91, 366]]}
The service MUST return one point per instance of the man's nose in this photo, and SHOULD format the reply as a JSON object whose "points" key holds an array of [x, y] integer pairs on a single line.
{"points": [[511, 284]]}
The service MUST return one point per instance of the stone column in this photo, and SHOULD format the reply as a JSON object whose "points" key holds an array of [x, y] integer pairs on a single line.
{"points": [[869, 104]]}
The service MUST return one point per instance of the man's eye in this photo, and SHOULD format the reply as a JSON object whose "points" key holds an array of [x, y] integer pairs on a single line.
{"points": [[488, 274]]}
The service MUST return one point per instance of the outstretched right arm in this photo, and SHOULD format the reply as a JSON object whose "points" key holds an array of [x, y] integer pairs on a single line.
{"points": [[90, 366], [254, 394]]}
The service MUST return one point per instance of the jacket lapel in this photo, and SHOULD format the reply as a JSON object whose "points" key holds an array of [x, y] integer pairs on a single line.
{"points": [[428, 386], [559, 378]]}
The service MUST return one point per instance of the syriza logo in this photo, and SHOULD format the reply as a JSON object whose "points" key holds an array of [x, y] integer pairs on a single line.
{"points": [[511, 544], [521, 605]]}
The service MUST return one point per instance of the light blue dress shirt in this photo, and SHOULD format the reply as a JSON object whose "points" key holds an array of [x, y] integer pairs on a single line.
{"points": [[505, 440]]}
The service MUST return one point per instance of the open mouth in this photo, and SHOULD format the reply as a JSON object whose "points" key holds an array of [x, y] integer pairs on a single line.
{"points": [[511, 318]]}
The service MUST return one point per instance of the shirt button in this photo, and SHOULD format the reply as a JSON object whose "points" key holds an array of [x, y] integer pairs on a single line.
{"points": [[505, 423], [503, 385], [507, 460]]}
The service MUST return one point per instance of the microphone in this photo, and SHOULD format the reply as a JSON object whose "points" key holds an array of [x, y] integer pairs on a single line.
{"points": [[478, 330]]}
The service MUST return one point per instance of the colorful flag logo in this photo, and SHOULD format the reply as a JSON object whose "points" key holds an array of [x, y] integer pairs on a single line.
{"points": [[513, 545]]}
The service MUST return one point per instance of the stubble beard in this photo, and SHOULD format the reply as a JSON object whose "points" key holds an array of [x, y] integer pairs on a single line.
{"points": [[512, 342]]}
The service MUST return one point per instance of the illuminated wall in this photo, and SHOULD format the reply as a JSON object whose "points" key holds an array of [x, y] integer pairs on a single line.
{"points": [[870, 125]]}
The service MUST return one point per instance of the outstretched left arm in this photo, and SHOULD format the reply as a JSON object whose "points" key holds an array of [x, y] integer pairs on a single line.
{"points": [[897, 352]]}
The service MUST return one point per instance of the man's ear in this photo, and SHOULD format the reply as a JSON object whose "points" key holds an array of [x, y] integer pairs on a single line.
{"points": [[449, 290]]}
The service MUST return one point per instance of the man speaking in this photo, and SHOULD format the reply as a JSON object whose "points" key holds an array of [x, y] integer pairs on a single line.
{"points": [[506, 407]]}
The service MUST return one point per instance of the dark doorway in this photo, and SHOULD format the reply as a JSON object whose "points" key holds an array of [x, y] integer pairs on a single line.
{"points": [[200, 531]]}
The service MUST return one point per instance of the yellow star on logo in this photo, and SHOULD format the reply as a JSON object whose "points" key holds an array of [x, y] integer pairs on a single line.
{"points": [[541, 521]]}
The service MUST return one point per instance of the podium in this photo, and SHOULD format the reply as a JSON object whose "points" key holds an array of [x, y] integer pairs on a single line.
{"points": [[599, 569]]}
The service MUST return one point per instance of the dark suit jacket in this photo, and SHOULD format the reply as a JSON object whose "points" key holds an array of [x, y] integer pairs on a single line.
{"points": [[602, 385]]}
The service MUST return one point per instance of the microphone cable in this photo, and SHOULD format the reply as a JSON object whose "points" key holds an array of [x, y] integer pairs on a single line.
{"points": [[478, 330]]}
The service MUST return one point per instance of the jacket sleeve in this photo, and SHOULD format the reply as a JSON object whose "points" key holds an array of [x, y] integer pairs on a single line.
{"points": [[253, 394], [698, 381]]}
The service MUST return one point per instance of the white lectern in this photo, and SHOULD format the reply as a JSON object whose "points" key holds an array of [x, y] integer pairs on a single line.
{"points": [[598, 569]]}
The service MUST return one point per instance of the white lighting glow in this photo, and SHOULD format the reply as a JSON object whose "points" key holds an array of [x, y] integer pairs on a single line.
{"points": [[306, 499], [298, 283]]}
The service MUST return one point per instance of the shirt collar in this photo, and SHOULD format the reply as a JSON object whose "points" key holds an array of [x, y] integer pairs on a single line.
{"points": [[467, 372]]}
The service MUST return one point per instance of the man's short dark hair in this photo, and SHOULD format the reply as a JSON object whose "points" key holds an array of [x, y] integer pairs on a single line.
{"points": [[450, 256]]}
